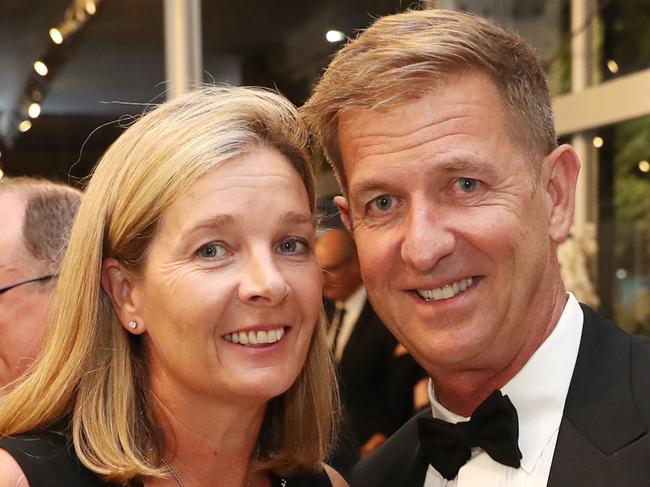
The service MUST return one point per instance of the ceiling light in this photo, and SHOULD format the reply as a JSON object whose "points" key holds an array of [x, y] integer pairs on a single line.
{"points": [[1, 174], [612, 66], [91, 8], [56, 36], [25, 125], [621, 273], [41, 68], [598, 142], [34, 110], [334, 36], [644, 166]]}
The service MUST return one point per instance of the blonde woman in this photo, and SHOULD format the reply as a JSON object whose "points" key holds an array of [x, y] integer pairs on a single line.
{"points": [[186, 346]]}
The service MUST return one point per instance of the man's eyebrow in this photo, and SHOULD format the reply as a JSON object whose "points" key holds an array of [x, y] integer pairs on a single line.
{"points": [[462, 165], [458, 165], [368, 186]]}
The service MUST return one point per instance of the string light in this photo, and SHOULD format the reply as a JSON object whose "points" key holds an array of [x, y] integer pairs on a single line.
{"points": [[644, 166], [91, 8], [75, 18], [334, 36], [1, 173], [41, 68], [598, 142], [612, 66], [56, 36], [34, 110], [24, 126]]}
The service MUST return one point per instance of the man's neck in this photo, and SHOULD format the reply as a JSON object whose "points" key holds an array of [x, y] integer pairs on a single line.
{"points": [[462, 390]]}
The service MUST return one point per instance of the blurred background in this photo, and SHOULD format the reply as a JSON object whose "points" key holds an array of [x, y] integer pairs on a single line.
{"points": [[74, 74]]}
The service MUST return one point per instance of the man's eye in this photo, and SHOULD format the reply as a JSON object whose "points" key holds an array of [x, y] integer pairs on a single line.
{"points": [[293, 246], [467, 185], [383, 202], [211, 250]]}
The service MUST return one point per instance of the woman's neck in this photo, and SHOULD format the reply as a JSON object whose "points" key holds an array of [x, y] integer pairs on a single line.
{"points": [[207, 439]]}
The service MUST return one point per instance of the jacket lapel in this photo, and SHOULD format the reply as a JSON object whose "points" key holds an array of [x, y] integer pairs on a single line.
{"points": [[600, 406], [416, 467]]}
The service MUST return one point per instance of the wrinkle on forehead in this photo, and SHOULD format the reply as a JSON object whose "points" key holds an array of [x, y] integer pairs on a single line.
{"points": [[466, 98]]}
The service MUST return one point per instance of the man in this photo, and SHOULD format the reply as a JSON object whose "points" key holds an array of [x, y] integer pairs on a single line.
{"points": [[362, 346], [35, 217], [439, 127]]}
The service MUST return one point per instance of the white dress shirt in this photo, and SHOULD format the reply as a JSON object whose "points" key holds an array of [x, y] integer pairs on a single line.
{"points": [[538, 392], [353, 307]]}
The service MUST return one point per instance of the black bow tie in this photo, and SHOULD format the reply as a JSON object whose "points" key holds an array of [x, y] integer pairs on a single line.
{"points": [[492, 427]]}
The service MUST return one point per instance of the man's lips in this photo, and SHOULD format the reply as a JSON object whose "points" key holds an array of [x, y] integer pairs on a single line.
{"points": [[447, 290]]}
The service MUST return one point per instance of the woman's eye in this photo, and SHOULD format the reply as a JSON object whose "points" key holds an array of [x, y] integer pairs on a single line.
{"points": [[467, 185], [383, 202], [292, 246], [211, 250]]}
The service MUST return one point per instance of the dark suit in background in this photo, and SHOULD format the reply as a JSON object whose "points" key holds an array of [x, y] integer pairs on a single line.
{"points": [[364, 373]]}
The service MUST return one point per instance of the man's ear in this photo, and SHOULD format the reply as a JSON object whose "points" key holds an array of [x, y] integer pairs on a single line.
{"points": [[344, 209], [119, 287], [560, 176]]}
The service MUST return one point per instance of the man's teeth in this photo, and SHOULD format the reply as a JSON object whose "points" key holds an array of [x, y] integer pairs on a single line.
{"points": [[447, 291], [255, 338]]}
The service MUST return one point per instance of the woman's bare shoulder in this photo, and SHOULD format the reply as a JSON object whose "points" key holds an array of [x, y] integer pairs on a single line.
{"points": [[335, 477], [11, 475]]}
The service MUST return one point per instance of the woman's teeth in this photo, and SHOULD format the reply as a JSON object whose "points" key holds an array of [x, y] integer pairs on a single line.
{"points": [[251, 338], [447, 291]]}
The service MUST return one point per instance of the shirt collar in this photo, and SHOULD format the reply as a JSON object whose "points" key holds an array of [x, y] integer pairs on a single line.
{"points": [[354, 304], [539, 389]]}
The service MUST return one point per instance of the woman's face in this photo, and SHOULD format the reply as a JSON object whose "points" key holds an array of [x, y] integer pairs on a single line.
{"points": [[230, 292]]}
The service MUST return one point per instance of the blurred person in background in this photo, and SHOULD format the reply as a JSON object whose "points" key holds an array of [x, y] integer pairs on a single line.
{"points": [[186, 346], [35, 219], [376, 375]]}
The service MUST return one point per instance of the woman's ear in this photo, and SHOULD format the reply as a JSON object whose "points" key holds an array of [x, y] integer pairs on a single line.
{"points": [[126, 301], [561, 168]]}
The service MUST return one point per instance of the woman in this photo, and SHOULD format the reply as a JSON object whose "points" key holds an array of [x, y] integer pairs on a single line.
{"points": [[186, 346]]}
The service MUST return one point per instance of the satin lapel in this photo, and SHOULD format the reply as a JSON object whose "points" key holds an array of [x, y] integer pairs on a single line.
{"points": [[415, 472], [600, 405]]}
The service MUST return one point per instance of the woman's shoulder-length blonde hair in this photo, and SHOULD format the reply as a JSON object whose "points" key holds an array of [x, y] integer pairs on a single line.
{"points": [[90, 369]]}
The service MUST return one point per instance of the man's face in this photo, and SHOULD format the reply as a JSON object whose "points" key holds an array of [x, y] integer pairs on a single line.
{"points": [[451, 229], [337, 258], [22, 309]]}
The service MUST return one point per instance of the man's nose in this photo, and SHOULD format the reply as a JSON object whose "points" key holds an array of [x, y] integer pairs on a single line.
{"points": [[428, 237], [262, 280]]}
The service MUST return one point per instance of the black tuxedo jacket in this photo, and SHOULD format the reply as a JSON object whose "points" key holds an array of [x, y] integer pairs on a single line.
{"points": [[363, 374], [603, 439]]}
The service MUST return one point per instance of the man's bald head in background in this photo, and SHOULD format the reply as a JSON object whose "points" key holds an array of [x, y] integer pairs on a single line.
{"points": [[337, 255], [35, 219]]}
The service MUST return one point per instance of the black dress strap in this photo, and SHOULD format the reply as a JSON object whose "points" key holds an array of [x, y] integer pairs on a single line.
{"points": [[48, 460]]}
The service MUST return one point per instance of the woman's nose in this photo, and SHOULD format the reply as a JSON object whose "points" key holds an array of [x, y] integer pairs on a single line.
{"points": [[262, 280]]}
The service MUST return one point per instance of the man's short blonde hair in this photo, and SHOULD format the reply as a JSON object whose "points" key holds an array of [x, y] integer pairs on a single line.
{"points": [[401, 57]]}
